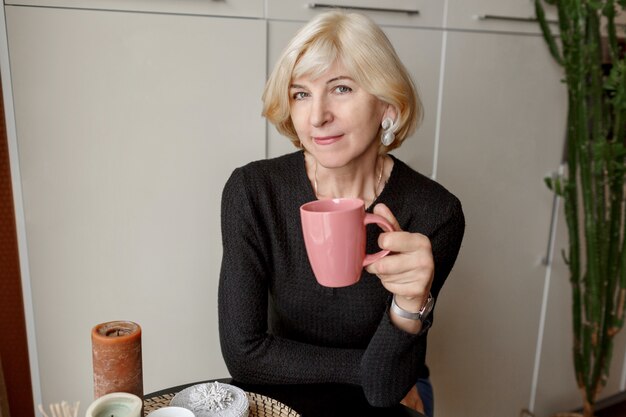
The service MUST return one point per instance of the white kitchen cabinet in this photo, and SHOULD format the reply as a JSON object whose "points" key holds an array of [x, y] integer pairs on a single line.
{"points": [[128, 125], [496, 15], [502, 131], [420, 51], [238, 8], [423, 13]]}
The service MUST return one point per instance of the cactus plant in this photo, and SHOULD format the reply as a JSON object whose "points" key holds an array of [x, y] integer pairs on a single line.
{"points": [[592, 183]]}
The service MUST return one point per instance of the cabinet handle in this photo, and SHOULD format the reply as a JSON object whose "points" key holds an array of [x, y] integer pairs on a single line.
{"points": [[512, 18], [363, 9]]}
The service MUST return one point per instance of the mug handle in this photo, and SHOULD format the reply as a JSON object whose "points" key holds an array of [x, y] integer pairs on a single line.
{"points": [[386, 226]]}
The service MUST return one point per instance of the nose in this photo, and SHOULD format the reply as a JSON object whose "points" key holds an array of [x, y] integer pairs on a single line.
{"points": [[320, 112]]}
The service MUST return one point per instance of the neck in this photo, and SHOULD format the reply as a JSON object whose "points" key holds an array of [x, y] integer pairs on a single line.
{"points": [[365, 184]]}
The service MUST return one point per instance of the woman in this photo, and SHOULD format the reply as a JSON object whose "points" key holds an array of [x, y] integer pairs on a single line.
{"points": [[341, 94]]}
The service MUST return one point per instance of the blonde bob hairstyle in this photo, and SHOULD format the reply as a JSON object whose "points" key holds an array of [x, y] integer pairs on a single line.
{"points": [[366, 53]]}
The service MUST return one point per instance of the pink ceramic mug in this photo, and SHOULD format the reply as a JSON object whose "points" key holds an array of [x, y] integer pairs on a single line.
{"points": [[334, 235]]}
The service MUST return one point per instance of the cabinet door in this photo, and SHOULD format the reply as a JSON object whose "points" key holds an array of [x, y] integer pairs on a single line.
{"points": [[502, 131], [496, 15], [420, 51], [128, 126], [240, 8], [424, 13]]}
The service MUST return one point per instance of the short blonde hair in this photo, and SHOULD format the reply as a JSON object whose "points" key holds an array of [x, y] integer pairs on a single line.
{"points": [[363, 49]]}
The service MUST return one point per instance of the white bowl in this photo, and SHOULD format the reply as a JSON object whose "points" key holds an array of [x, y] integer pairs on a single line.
{"points": [[171, 412]]}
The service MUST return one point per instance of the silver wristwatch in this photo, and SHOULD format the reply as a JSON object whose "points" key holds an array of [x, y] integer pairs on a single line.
{"points": [[420, 315]]}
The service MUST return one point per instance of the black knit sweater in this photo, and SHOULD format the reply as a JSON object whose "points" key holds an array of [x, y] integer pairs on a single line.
{"points": [[279, 326]]}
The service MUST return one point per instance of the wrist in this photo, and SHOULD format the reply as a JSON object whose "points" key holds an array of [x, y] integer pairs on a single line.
{"points": [[413, 322], [410, 304], [416, 313]]}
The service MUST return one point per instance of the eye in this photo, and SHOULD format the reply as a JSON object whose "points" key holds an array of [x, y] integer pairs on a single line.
{"points": [[343, 89], [300, 95]]}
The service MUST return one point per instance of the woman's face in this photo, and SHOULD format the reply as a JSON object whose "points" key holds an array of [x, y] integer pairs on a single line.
{"points": [[336, 120]]}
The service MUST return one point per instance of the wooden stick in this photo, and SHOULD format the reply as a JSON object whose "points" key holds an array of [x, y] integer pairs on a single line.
{"points": [[66, 409], [42, 411]]}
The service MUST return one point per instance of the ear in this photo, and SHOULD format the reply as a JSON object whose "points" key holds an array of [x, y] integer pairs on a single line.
{"points": [[392, 112]]}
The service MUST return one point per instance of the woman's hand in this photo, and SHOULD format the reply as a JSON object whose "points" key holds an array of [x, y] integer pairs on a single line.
{"points": [[408, 271]]}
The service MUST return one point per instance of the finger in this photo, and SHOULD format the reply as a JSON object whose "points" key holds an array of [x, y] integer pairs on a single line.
{"points": [[420, 274], [409, 291], [407, 285], [397, 263], [384, 211], [404, 242], [419, 278]]}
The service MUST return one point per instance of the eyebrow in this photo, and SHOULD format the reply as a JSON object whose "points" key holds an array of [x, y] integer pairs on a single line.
{"points": [[341, 77], [332, 80]]}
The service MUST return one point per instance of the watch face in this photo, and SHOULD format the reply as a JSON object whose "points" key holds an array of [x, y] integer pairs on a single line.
{"points": [[428, 307]]}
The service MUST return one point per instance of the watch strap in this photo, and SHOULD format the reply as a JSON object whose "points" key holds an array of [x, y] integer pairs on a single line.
{"points": [[420, 315]]}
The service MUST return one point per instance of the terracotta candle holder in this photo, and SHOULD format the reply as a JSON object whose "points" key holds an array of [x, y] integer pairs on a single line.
{"points": [[117, 365]]}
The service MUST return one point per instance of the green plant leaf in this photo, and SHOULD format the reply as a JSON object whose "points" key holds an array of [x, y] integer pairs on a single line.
{"points": [[595, 4], [556, 184], [547, 32], [549, 183]]}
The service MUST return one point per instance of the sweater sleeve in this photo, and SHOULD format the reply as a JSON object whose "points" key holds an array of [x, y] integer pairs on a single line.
{"points": [[252, 354], [393, 357]]}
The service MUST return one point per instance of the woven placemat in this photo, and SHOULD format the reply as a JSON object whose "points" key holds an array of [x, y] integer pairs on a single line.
{"points": [[260, 405]]}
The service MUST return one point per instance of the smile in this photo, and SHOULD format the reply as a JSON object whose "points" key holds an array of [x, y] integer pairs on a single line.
{"points": [[326, 140]]}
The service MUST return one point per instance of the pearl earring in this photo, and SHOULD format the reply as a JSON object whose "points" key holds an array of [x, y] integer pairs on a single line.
{"points": [[387, 136]]}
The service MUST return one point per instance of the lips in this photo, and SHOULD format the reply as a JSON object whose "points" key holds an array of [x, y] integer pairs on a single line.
{"points": [[326, 140]]}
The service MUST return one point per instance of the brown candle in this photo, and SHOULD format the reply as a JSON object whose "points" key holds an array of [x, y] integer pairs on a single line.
{"points": [[117, 364]]}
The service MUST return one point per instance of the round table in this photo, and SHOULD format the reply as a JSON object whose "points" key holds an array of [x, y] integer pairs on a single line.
{"points": [[307, 400]]}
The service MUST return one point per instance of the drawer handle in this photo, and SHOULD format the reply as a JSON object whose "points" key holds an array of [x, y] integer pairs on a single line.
{"points": [[512, 18], [363, 9]]}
